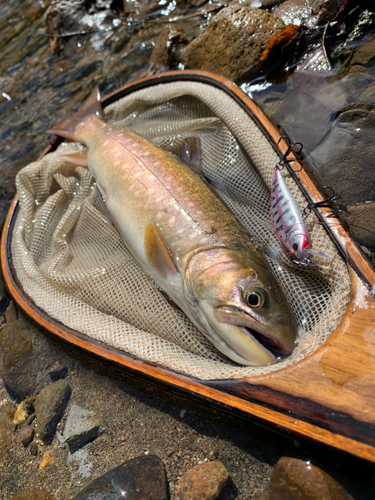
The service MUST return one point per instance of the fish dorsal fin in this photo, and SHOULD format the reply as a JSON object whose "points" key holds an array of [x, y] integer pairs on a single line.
{"points": [[157, 253], [92, 106], [78, 158]]}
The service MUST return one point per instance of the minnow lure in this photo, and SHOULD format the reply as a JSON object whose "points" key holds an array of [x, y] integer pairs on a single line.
{"points": [[287, 220]]}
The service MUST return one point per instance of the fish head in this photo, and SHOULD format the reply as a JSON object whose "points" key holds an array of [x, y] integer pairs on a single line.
{"points": [[240, 306]]}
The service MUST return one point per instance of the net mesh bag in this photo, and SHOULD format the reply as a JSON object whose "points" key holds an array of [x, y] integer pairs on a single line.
{"points": [[74, 265]]}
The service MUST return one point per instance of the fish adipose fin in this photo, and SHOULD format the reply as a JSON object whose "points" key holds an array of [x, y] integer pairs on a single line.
{"points": [[92, 106], [157, 253], [78, 158]]}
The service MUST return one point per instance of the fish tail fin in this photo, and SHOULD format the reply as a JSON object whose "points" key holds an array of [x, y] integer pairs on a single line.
{"points": [[92, 106]]}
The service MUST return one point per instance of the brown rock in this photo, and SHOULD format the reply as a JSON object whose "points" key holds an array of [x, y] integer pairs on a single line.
{"points": [[233, 43], [168, 47], [32, 494], [203, 482], [7, 411], [294, 479], [26, 435]]}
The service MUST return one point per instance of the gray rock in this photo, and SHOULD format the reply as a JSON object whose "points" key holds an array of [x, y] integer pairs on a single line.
{"points": [[142, 478], [50, 406], [233, 43], [26, 434], [26, 356], [81, 426]]}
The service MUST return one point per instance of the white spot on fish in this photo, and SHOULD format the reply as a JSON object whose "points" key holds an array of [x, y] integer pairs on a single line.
{"points": [[172, 220]]}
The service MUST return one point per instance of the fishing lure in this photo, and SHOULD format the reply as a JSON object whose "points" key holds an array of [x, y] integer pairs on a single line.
{"points": [[287, 220]]}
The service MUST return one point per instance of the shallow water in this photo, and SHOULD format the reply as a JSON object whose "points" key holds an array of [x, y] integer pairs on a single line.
{"points": [[333, 117]]}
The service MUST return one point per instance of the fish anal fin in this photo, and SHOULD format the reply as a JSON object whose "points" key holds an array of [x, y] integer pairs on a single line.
{"points": [[78, 158], [157, 253]]}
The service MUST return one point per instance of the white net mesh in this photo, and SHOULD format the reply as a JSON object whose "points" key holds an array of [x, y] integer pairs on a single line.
{"points": [[74, 265]]}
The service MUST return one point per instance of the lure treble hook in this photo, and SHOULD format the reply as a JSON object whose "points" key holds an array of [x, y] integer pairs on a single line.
{"points": [[291, 148], [329, 202]]}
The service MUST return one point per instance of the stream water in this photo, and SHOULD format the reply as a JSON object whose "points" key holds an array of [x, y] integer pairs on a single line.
{"points": [[330, 110]]}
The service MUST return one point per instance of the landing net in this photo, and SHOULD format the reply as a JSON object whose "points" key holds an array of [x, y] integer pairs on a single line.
{"points": [[72, 262]]}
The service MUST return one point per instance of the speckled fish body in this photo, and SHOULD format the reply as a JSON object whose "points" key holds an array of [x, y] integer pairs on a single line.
{"points": [[187, 241], [287, 220]]}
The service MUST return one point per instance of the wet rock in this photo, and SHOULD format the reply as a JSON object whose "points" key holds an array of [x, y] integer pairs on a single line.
{"points": [[59, 372], [74, 17], [22, 347], [33, 449], [233, 43], [361, 220], [32, 494], [81, 426], [294, 479], [297, 125], [168, 47], [343, 160], [7, 411], [83, 466], [298, 12], [142, 478], [139, 9], [26, 435], [24, 412], [20, 416], [203, 482], [50, 406]]}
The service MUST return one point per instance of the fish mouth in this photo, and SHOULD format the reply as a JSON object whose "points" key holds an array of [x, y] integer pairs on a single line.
{"points": [[266, 342], [258, 332]]}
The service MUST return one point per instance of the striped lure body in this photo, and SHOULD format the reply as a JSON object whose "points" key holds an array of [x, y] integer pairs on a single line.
{"points": [[287, 220]]}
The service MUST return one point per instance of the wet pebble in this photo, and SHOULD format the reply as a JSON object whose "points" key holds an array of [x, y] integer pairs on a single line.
{"points": [[50, 406], [142, 478], [203, 482], [81, 426], [233, 43], [294, 479], [26, 434]]}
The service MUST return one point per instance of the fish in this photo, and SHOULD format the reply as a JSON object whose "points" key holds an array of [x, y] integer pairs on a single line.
{"points": [[184, 238], [287, 220]]}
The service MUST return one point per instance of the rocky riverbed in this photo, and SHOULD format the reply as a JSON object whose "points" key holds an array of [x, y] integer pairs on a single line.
{"points": [[65, 420]]}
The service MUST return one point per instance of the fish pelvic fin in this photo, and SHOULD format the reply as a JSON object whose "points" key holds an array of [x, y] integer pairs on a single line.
{"points": [[78, 158], [92, 106], [157, 252]]}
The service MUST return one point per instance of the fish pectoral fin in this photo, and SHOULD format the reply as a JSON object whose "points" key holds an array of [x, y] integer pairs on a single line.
{"points": [[157, 253], [78, 158]]}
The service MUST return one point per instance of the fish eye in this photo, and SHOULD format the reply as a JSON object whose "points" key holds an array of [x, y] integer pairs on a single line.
{"points": [[295, 247], [255, 298]]}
